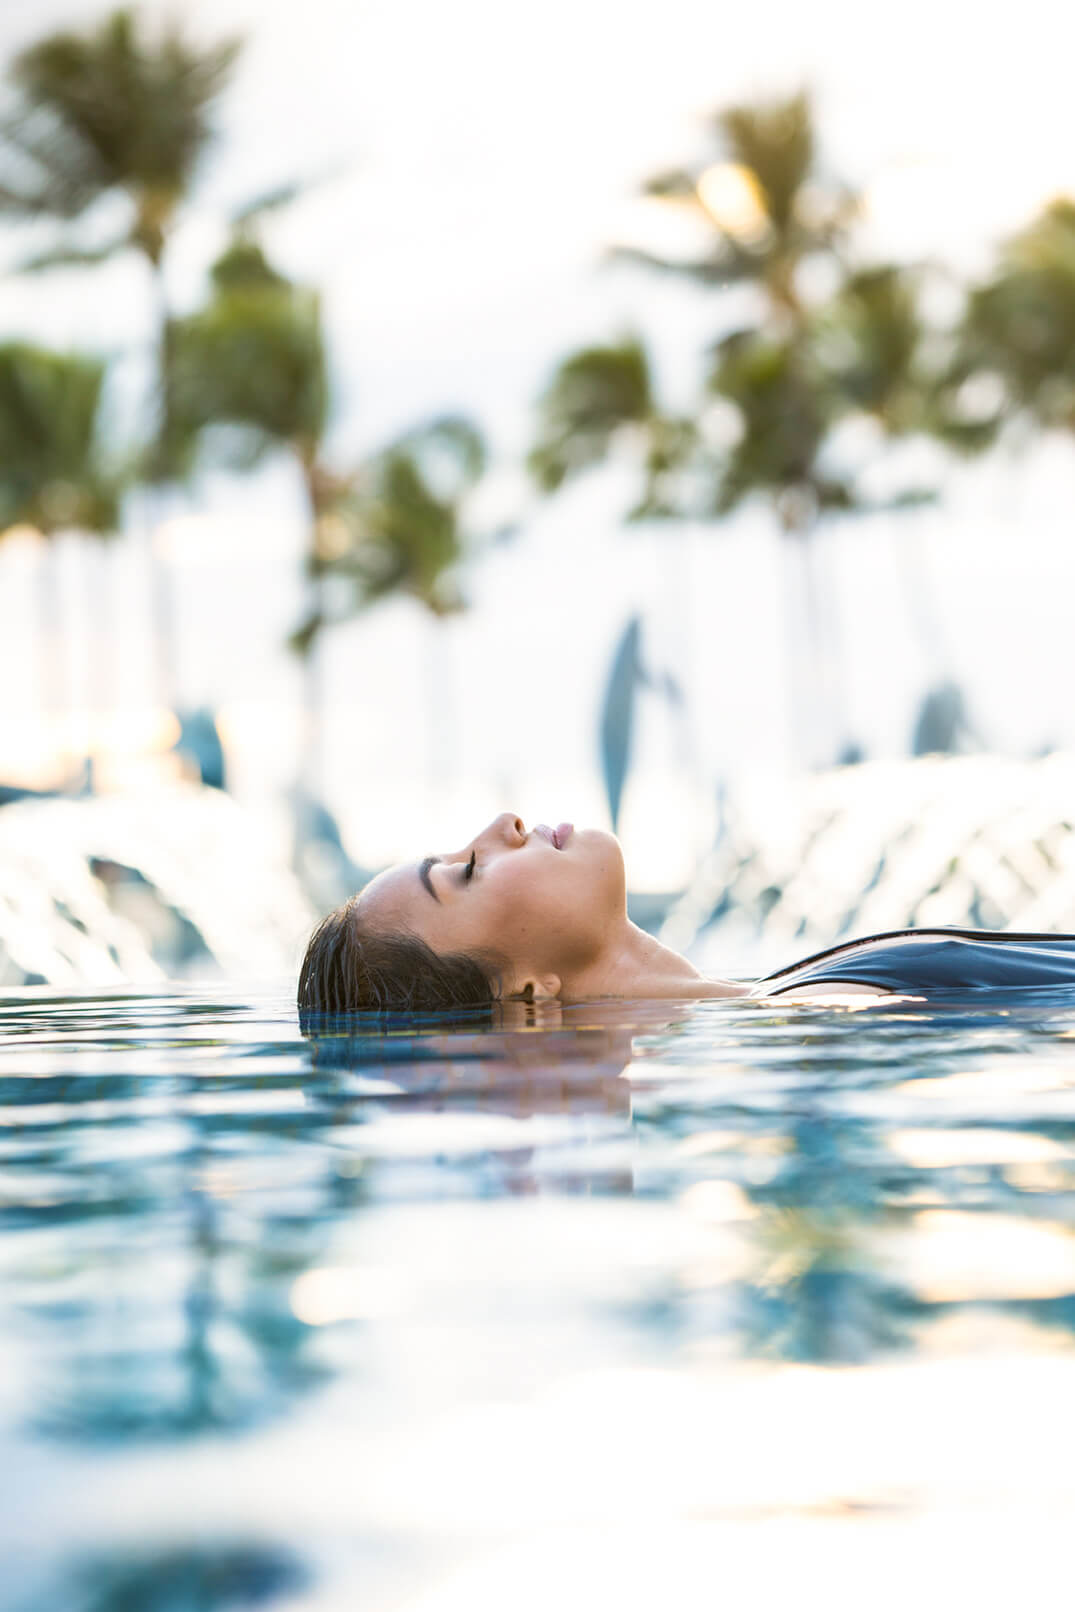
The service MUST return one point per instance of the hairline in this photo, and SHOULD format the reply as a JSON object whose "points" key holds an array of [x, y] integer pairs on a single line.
{"points": [[487, 958]]}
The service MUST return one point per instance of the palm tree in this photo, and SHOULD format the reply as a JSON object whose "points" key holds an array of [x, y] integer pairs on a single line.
{"points": [[599, 397], [401, 527], [908, 377], [1016, 353], [112, 110], [254, 358], [402, 521], [765, 206], [116, 111], [864, 354], [1019, 329], [53, 476], [799, 371], [599, 401]]}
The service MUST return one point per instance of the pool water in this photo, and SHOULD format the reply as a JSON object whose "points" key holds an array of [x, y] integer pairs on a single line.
{"points": [[622, 1306]]}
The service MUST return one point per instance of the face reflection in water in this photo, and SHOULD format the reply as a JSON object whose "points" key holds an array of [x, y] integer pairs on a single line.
{"points": [[550, 911]]}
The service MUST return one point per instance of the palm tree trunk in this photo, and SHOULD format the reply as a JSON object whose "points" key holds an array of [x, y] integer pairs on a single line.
{"points": [[804, 634], [440, 706], [312, 744], [820, 715], [676, 540], [921, 603], [161, 602], [675, 557], [101, 681], [50, 647], [842, 732], [312, 758]]}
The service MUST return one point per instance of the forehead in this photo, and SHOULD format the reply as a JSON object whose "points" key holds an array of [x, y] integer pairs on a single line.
{"points": [[397, 896]]}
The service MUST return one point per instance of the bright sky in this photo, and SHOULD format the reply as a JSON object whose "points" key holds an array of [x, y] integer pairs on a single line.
{"points": [[485, 155], [482, 156]]}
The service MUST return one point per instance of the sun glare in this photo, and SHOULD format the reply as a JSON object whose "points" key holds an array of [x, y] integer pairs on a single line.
{"points": [[733, 199]]}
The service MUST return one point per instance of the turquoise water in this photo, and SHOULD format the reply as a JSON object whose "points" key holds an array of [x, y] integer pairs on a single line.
{"points": [[601, 1307]]}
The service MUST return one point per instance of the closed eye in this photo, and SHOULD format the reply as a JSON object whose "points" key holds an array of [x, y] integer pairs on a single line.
{"points": [[469, 870]]}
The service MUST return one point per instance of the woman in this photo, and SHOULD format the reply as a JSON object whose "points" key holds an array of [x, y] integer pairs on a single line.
{"points": [[542, 915]]}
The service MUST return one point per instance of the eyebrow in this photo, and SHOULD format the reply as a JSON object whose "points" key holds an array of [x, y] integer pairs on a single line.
{"points": [[423, 873]]}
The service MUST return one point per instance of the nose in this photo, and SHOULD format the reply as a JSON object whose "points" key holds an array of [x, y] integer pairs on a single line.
{"points": [[505, 829]]}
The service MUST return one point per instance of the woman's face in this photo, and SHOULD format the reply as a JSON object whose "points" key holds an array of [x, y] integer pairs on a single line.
{"points": [[547, 901]]}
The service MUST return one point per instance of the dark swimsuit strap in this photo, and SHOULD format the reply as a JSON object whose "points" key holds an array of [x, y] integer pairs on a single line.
{"points": [[848, 947]]}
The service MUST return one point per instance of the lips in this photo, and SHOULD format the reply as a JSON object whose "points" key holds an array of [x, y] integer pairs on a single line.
{"points": [[557, 836]]}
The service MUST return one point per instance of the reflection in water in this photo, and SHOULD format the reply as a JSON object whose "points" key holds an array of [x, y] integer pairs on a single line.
{"points": [[307, 1288]]}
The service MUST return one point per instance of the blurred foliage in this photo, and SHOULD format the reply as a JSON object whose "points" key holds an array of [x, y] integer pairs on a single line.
{"points": [[398, 525], [52, 471], [838, 358], [126, 108], [767, 207], [803, 367], [832, 344], [254, 357], [1020, 325], [408, 500], [596, 397], [123, 109], [113, 109]]}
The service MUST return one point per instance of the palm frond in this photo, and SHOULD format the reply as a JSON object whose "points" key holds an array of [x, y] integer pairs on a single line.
{"points": [[591, 395], [1021, 323], [254, 357], [70, 257], [729, 264], [775, 141], [672, 184], [280, 196], [450, 449], [53, 473], [116, 107]]}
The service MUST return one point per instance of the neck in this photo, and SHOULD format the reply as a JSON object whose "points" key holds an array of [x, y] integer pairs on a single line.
{"points": [[635, 964]]}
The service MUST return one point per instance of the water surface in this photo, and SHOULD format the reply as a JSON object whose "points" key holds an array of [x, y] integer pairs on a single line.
{"points": [[611, 1306]]}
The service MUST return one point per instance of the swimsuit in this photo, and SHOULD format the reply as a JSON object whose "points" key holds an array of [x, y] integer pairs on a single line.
{"points": [[931, 962]]}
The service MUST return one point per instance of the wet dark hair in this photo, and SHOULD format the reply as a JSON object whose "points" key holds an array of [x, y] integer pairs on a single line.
{"points": [[351, 968]]}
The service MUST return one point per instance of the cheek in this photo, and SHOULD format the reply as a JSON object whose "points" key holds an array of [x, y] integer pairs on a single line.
{"points": [[568, 901], [554, 903], [528, 905], [520, 896]]}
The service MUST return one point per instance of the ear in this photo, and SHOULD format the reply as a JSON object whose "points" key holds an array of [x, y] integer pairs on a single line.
{"points": [[536, 988]]}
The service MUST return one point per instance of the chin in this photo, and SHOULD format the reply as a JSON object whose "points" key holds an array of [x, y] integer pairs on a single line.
{"points": [[595, 838], [604, 855]]}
